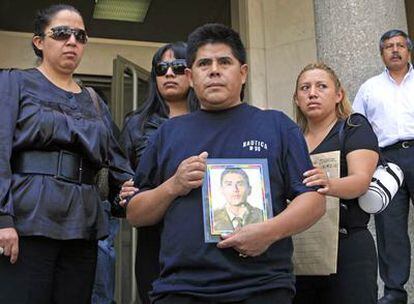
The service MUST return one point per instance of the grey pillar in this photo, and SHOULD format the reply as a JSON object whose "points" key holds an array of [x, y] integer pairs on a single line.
{"points": [[348, 32]]}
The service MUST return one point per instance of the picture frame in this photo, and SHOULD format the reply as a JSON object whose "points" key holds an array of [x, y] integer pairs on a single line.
{"points": [[236, 192]]}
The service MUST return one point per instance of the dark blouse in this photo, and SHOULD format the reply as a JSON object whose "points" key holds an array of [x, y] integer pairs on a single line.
{"points": [[134, 139], [358, 135], [37, 115]]}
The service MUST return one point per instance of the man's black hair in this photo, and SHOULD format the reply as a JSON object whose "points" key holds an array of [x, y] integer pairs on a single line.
{"points": [[216, 33], [235, 170], [394, 33]]}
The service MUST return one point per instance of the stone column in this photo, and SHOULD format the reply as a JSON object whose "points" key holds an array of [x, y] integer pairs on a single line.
{"points": [[279, 36], [248, 19], [348, 33]]}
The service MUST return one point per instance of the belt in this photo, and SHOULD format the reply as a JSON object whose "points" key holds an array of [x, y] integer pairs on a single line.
{"points": [[62, 165], [404, 144]]}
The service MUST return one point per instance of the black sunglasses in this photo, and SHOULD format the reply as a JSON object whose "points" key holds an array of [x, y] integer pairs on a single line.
{"points": [[63, 33], [178, 66]]}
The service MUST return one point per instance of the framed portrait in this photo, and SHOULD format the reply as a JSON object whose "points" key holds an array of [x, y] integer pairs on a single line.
{"points": [[236, 193]]}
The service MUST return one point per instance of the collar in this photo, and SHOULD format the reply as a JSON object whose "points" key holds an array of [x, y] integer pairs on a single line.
{"points": [[243, 216], [408, 74]]}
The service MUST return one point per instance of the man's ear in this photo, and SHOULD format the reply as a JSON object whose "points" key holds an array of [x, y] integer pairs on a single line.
{"points": [[244, 69], [249, 191], [189, 75]]}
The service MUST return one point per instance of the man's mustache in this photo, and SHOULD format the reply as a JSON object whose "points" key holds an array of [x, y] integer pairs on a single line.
{"points": [[396, 55]]}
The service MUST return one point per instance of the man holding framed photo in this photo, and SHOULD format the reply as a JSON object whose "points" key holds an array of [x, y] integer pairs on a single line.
{"points": [[252, 264]]}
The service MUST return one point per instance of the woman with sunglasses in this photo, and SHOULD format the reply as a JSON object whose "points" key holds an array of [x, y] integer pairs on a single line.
{"points": [[169, 95], [322, 109], [54, 139]]}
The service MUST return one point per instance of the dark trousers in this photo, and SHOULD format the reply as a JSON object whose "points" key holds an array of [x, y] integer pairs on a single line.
{"points": [[275, 296], [49, 271], [393, 242], [147, 266], [355, 281], [104, 285]]}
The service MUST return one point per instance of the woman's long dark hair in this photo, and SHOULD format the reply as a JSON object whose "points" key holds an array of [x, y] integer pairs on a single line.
{"points": [[155, 103]]}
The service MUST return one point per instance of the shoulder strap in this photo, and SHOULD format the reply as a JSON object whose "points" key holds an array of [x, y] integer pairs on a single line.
{"points": [[95, 99], [341, 134], [349, 122]]}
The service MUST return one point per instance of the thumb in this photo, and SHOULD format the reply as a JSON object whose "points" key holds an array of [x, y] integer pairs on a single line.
{"points": [[226, 241], [225, 236], [14, 252], [203, 155]]}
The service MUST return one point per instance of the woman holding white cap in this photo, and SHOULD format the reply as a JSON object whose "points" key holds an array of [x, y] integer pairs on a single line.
{"points": [[322, 109]]}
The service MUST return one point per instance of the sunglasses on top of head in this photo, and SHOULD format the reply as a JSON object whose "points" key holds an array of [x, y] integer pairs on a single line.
{"points": [[178, 66], [63, 33]]}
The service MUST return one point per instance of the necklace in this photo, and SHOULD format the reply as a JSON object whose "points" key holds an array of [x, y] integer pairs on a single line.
{"points": [[313, 140], [332, 123]]}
